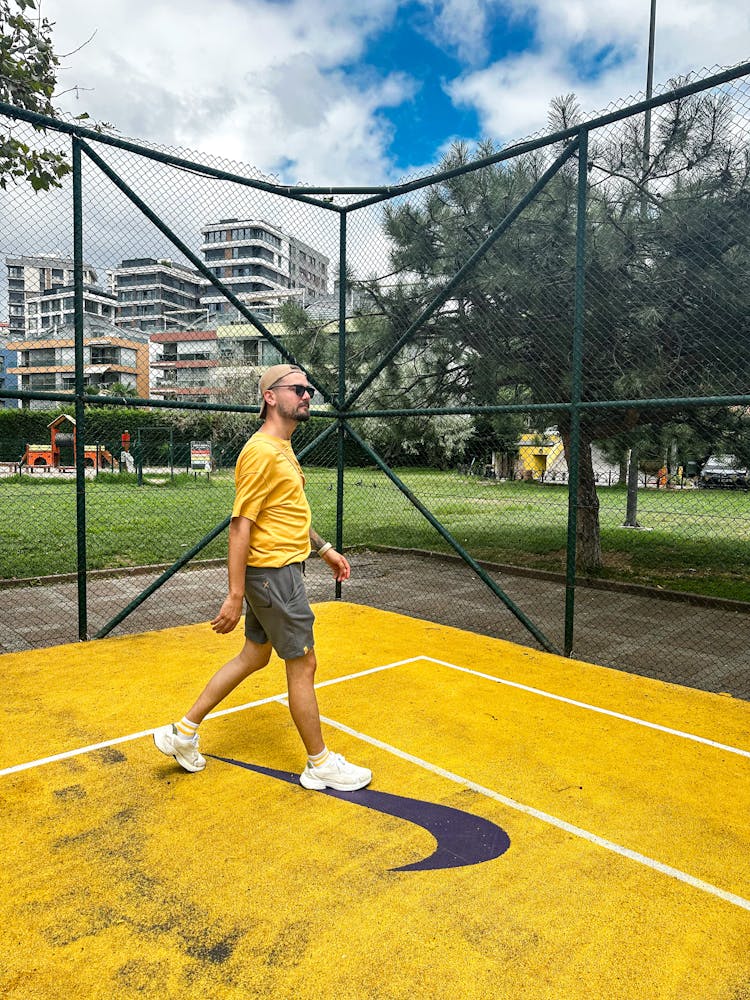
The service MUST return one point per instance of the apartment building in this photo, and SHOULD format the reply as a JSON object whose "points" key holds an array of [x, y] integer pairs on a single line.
{"points": [[158, 295], [48, 365], [54, 308], [40, 294], [7, 380], [262, 265], [161, 327], [7, 360], [211, 365], [185, 365]]}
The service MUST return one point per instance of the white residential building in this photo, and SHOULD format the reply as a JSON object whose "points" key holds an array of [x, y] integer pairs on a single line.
{"points": [[158, 295], [262, 265], [54, 308], [41, 278]]}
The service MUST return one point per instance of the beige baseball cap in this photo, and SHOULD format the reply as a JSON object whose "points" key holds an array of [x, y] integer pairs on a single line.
{"points": [[270, 377]]}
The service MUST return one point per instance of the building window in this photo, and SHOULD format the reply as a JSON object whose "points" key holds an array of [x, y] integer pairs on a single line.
{"points": [[105, 355], [40, 381], [42, 357], [268, 354]]}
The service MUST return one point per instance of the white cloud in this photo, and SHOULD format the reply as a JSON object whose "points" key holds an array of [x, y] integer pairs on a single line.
{"points": [[462, 25], [245, 79], [599, 51], [511, 97], [281, 85]]}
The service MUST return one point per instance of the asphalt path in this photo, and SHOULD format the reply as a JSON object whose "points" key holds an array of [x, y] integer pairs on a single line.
{"points": [[706, 647]]}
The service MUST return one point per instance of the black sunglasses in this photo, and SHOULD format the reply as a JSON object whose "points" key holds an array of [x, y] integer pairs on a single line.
{"points": [[299, 389]]}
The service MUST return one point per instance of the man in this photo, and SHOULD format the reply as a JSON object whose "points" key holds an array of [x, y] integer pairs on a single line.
{"points": [[270, 537]]}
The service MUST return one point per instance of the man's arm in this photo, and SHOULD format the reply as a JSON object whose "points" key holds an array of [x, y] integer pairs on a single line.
{"points": [[239, 543], [338, 563], [316, 541]]}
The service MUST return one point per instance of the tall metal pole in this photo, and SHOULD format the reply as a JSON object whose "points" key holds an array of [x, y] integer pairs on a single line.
{"points": [[650, 75], [79, 391], [631, 512], [576, 392], [646, 160], [341, 393]]}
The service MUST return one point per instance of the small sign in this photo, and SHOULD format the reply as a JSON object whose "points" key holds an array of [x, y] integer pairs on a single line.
{"points": [[200, 455]]}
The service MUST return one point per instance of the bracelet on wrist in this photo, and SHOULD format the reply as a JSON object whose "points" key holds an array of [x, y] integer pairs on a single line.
{"points": [[324, 548]]}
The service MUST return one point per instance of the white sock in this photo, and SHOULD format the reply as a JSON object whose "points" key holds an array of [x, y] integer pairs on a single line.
{"points": [[319, 758], [186, 728]]}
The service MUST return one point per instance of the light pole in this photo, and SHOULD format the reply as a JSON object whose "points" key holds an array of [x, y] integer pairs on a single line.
{"points": [[631, 512], [649, 89]]}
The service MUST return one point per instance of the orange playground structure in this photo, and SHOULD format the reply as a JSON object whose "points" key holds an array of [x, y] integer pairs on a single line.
{"points": [[60, 453]]}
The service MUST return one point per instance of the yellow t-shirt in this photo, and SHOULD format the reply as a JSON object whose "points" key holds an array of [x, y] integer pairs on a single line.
{"points": [[269, 485]]}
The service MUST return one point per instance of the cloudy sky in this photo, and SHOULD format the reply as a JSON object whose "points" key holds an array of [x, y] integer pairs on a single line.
{"points": [[334, 92]]}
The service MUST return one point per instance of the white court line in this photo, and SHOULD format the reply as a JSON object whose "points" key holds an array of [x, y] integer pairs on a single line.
{"points": [[374, 670], [592, 708], [67, 754], [322, 684], [73, 753], [511, 803], [576, 831]]}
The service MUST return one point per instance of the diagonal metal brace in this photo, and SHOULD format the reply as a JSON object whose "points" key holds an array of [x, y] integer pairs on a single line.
{"points": [[198, 263], [472, 563], [456, 280]]}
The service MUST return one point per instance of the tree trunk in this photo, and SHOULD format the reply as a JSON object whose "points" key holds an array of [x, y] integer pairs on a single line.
{"points": [[631, 512], [588, 543], [622, 475]]}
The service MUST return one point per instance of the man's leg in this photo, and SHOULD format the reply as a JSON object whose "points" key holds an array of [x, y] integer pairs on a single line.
{"points": [[250, 658], [324, 769], [303, 704], [180, 740]]}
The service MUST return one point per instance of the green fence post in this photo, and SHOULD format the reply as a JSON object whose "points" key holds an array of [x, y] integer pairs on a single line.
{"points": [[80, 431], [575, 392], [341, 394]]}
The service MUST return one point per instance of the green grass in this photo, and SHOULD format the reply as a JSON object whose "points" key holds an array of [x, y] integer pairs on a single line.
{"points": [[699, 540]]}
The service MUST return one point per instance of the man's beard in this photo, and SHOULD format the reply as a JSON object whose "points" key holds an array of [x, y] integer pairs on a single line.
{"points": [[298, 413]]}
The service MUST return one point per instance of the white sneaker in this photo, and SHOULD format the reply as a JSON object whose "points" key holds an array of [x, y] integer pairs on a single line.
{"points": [[335, 772], [185, 752]]}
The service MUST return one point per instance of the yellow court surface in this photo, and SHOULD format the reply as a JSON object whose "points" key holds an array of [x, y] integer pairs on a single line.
{"points": [[536, 827]]}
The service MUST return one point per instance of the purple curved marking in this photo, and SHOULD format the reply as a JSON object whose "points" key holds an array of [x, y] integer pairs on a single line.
{"points": [[462, 838]]}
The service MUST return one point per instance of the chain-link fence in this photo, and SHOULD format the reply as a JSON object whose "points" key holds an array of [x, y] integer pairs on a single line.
{"points": [[532, 412]]}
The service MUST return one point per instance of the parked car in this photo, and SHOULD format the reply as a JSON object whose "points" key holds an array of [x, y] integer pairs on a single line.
{"points": [[723, 470]]}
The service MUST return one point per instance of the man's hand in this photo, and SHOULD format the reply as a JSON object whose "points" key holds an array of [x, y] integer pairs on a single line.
{"points": [[339, 564], [228, 616]]}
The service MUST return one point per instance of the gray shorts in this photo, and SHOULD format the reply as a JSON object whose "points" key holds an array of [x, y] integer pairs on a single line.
{"points": [[278, 610]]}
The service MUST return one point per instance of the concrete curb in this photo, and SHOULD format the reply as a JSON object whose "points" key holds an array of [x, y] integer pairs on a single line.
{"points": [[615, 586]]}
